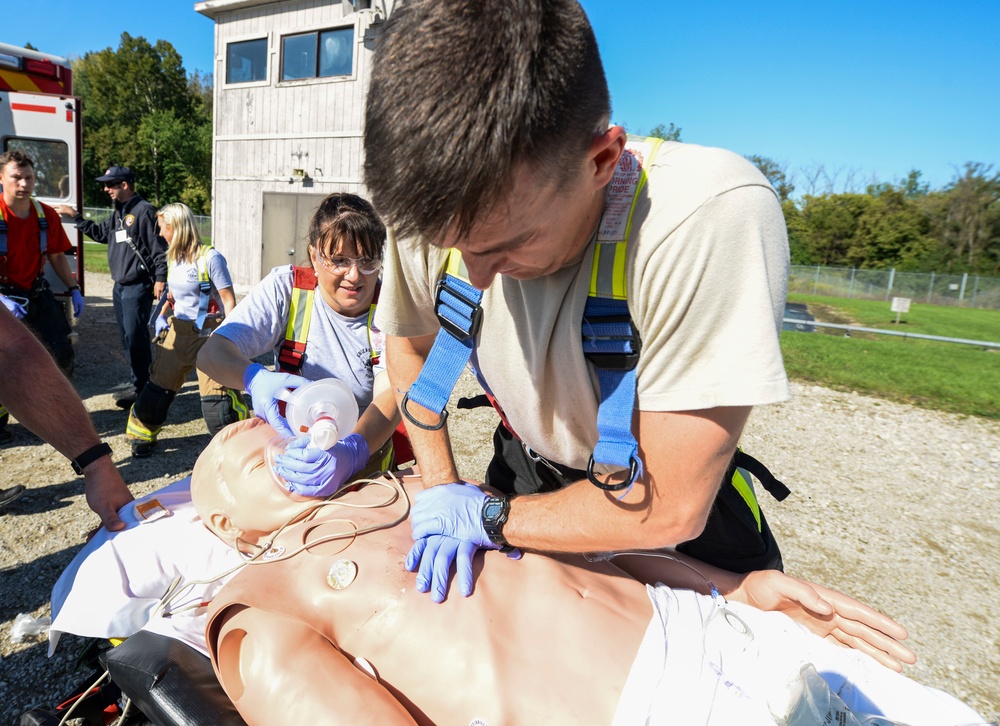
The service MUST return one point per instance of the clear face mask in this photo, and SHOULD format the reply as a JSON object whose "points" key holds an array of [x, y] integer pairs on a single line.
{"points": [[324, 411]]}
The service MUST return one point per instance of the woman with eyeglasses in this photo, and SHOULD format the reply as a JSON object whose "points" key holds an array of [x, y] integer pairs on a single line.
{"points": [[317, 321]]}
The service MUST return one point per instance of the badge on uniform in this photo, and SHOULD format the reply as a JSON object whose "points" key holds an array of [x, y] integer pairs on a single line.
{"points": [[129, 220]]}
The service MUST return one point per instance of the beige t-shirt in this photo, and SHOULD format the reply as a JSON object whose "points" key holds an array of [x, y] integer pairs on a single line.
{"points": [[707, 269]]}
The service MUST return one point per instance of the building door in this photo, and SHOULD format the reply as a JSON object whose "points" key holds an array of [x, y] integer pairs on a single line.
{"points": [[285, 225]]}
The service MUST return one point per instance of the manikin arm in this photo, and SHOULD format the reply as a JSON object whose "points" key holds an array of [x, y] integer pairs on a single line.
{"points": [[279, 670], [825, 612], [432, 449]]}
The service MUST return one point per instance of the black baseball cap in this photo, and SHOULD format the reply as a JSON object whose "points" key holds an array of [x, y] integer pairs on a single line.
{"points": [[117, 173]]}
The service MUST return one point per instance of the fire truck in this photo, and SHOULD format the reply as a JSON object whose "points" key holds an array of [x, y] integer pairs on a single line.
{"points": [[40, 115]]}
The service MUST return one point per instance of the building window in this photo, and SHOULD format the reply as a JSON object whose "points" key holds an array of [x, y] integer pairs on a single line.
{"points": [[319, 54], [51, 165], [246, 61]]}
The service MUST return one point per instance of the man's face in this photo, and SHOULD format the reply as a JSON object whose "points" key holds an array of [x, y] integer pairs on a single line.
{"points": [[18, 181], [538, 229], [261, 505], [116, 190]]}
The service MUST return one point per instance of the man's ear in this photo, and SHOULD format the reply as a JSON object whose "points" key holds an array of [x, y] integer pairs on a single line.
{"points": [[604, 152]]}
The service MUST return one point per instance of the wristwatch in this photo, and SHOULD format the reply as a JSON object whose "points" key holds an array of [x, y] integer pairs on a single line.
{"points": [[89, 456], [495, 513]]}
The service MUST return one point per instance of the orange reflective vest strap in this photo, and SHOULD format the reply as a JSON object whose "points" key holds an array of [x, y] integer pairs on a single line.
{"points": [[43, 239], [300, 308]]}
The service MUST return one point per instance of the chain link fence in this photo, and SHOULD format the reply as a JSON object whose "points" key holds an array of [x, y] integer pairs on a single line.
{"points": [[966, 290], [99, 214]]}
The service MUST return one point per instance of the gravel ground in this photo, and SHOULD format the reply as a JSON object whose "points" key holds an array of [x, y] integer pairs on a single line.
{"points": [[893, 504]]}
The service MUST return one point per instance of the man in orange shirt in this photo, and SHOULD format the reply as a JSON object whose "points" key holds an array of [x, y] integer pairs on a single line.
{"points": [[30, 235]]}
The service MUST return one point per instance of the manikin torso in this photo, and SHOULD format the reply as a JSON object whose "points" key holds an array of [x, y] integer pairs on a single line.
{"points": [[539, 641]]}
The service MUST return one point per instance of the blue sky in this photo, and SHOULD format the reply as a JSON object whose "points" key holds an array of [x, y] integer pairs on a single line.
{"points": [[862, 91]]}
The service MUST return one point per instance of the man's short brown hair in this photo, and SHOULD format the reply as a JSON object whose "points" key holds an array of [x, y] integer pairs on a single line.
{"points": [[16, 156], [462, 91]]}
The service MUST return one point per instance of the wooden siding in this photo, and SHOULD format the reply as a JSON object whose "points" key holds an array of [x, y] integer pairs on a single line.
{"points": [[263, 131]]}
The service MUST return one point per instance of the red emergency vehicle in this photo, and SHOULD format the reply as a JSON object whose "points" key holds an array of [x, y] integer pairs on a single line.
{"points": [[40, 115]]}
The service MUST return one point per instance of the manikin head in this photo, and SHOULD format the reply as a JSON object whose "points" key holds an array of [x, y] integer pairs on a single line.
{"points": [[233, 490]]}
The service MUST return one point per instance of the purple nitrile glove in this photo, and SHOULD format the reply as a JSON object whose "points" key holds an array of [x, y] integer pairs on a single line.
{"points": [[313, 472], [160, 324], [262, 384], [16, 308], [441, 513], [78, 305], [431, 558]]}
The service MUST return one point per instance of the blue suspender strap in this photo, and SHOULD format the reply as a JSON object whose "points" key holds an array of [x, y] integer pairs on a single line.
{"points": [[611, 343], [204, 287], [43, 226], [458, 311]]}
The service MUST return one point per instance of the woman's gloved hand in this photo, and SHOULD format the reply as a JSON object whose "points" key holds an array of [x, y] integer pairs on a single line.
{"points": [[16, 308], [262, 385], [313, 472], [161, 324], [78, 304]]}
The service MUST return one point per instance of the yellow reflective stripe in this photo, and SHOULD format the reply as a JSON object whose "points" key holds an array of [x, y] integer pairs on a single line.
{"points": [[746, 491], [203, 263], [387, 459], [239, 408], [454, 266], [607, 273], [371, 317], [3, 410], [138, 430], [300, 315]]}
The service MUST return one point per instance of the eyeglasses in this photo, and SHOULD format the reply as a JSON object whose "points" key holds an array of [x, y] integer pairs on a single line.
{"points": [[112, 186], [343, 265]]}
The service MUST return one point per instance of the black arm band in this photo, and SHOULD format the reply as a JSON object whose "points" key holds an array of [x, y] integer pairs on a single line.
{"points": [[89, 456]]}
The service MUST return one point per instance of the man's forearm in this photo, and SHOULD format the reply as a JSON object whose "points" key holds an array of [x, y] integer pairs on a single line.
{"points": [[432, 448]]}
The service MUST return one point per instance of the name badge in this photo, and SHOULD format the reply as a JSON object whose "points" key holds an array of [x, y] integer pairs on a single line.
{"points": [[121, 235]]}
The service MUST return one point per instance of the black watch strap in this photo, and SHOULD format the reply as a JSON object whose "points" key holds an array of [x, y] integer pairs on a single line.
{"points": [[494, 515], [89, 456]]}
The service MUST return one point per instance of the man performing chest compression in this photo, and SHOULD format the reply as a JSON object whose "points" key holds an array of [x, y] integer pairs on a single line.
{"points": [[325, 627], [516, 170]]}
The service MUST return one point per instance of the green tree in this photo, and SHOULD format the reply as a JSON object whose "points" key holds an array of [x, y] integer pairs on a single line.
{"points": [[667, 133], [141, 110], [775, 174], [969, 223]]}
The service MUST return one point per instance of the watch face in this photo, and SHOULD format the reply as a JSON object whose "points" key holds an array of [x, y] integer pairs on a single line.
{"points": [[492, 510]]}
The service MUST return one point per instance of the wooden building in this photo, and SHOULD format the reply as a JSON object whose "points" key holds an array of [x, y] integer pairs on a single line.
{"points": [[290, 84]]}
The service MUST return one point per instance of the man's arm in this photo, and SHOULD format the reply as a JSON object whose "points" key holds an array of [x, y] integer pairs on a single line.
{"points": [[39, 396], [156, 247], [98, 232], [432, 449], [685, 455]]}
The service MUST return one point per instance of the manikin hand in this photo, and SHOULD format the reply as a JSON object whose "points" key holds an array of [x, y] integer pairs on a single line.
{"points": [[16, 308], [829, 614], [262, 384], [160, 324], [78, 305], [447, 523], [314, 472]]}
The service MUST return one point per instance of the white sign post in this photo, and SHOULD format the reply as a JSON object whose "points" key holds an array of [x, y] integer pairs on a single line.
{"points": [[900, 305]]}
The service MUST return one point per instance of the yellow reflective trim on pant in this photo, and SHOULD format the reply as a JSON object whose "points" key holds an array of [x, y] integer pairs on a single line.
{"points": [[742, 486], [3, 411], [239, 408], [136, 429]]}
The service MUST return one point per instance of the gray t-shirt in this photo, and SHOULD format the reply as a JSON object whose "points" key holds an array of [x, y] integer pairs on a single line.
{"points": [[182, 279], [336, 347]]}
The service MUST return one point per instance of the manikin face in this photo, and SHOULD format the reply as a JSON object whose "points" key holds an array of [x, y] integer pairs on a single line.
{"points": [[540, 228], [261, 506], [18, 182], [345, 287]]}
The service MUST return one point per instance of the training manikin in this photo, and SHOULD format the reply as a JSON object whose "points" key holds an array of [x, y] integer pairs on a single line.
{"points": [[338, 632]]}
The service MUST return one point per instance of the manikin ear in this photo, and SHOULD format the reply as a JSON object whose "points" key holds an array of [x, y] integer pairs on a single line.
{"points": [[603, 154], [224, 528]]}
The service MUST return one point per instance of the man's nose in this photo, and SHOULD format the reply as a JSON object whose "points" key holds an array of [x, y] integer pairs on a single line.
{"points": [[481, 273]]}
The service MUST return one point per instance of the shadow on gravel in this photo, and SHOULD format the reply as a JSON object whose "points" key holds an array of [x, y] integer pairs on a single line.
{"points": [[27, 587]]}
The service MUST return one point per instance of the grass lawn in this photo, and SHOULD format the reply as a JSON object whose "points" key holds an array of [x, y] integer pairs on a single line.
{"points": [[95, 257], [951, 377]]}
